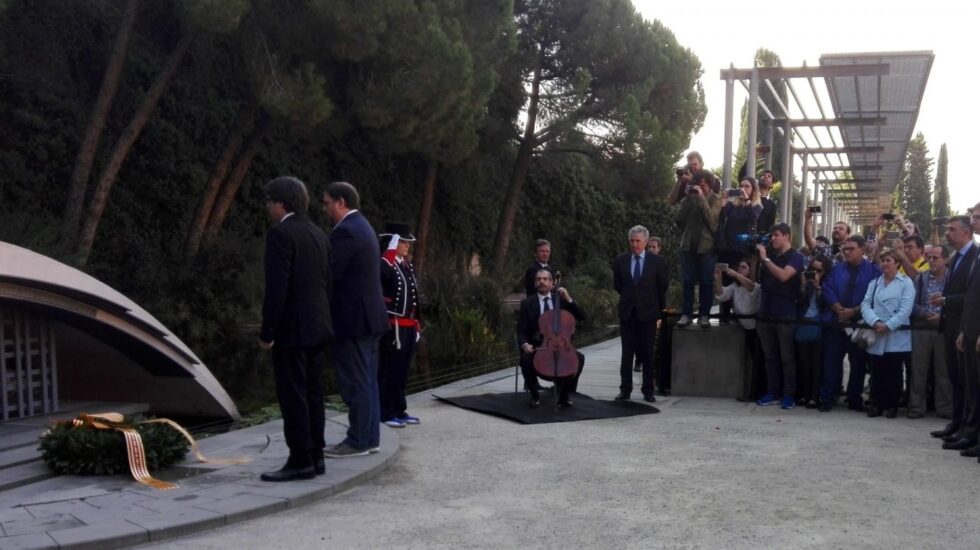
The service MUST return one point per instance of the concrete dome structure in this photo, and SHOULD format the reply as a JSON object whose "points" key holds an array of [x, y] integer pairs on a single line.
{"points": [[103, 345]]}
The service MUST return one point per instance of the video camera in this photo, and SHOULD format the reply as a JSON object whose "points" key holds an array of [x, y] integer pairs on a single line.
{"points": [[748, 241]]}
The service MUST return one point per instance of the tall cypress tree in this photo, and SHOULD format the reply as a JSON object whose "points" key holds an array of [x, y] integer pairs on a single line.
{"points": [[917, 199], [940, 200]]}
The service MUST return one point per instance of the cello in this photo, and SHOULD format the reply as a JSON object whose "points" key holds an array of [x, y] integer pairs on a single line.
{"points": [[557, 357]]}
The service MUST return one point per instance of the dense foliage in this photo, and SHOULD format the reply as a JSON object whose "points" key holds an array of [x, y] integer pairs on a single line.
{"points": [[405, 99]]}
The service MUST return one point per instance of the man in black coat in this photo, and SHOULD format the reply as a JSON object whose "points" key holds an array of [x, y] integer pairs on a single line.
{"points": [[961, 433], [296, 324], [542, 255], [641, 279], [360, 318], [968, 341], [767, 218], [529, 337]]}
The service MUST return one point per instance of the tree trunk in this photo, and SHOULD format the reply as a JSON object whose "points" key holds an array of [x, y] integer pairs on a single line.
{"points": [[512, 200], [124, 145], [90, 142], [228, 191], [425, 214], [201, 218]]}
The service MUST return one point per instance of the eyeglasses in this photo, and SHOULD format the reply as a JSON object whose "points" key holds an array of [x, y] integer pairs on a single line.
{"points": [[848, 248], [818, 271]]}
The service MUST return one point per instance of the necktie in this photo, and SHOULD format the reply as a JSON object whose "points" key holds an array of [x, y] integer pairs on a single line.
{"points": [[547, 303], [636, 269]]}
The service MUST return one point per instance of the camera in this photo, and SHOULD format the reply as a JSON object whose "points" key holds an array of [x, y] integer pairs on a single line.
{"points": [[814, 208], [748, 241], [888, 216], [810, 275], [940, 221], [691, 189], [731, 193]]}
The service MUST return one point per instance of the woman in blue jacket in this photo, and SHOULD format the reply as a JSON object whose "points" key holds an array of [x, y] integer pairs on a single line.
{"points": [[886, 308]]}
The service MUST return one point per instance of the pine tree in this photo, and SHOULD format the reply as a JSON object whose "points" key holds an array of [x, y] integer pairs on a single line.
{"points": [[940, 199], [917, 196]]}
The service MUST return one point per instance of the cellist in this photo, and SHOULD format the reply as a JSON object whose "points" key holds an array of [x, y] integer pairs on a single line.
{"points": [[530, 339]]}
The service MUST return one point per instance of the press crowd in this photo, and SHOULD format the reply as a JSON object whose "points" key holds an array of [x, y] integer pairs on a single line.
{"points": [[901, 305]]}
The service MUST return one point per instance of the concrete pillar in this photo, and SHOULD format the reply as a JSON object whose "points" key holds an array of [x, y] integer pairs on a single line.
{"points": [[753, 123], [726, 178], [804, 201]]}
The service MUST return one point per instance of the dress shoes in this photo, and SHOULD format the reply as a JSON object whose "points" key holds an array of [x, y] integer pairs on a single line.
{"points": [[825, 406], [855, 406], [288, 473], [534, 403], [623, 396], [891, 413], [960, 444], [955, 436], [950, 429], [319, 465], [972, 452], [650, 398], [875, 412], [565, 404]]}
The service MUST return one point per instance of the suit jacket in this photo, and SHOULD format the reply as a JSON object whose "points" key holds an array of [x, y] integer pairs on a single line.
{"points": [[954, 292], [358, 306], [970, 324], [296, 306], [530, 312], [649, 295]]}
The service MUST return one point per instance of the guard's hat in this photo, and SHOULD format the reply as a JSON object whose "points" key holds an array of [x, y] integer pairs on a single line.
{"points": [[403, 231]]}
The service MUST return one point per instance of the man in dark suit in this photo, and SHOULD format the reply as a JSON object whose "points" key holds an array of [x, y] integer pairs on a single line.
{"points": [[968, 341], [296, 324], [361, 318], [961, 433], [542, 255], [641, 279], [529, 338]]}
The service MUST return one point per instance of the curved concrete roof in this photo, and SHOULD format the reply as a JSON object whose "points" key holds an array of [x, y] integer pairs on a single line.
{"points": [[80, 300]]}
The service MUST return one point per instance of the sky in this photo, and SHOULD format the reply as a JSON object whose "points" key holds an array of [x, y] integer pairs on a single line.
{"points": [[721, 33]]}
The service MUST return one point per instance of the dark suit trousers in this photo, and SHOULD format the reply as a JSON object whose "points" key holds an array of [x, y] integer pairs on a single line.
{"points": [[356, 363], [299, 387], [954, 367], [971, 383], [566, 386], [393, 365], [637, 341]]}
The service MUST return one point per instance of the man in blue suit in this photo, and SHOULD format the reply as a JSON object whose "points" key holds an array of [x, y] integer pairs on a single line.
{"points": [[296, 324], [358, 308]]}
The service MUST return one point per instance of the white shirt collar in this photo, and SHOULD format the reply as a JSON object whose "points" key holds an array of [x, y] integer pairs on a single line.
{"points": [[349, 212], [282, 219]]}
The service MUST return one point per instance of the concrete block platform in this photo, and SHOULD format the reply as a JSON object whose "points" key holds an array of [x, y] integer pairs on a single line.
{"points": [[114, 511]]}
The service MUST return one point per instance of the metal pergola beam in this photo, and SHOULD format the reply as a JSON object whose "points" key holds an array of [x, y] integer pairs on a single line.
{"points": [[865, 168], [765, 73], [847, 121], [838, 150]]}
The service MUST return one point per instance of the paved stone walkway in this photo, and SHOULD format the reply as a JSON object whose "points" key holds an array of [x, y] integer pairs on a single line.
{"points": [[110, 512]]}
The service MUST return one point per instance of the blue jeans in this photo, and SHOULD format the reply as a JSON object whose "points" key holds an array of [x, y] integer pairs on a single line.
{"points": [[835, 345], [697, 269], [356, 363]]}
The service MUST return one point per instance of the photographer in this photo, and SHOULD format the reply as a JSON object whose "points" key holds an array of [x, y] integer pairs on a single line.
{"points": [[780, 295], [744, 295], [739, 216], [808, 336], [698, 218], [768, 216], [685, 177], [819, 246]]}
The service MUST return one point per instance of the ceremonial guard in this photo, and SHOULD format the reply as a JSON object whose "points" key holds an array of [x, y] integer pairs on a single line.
{"points": [[401, 298]]}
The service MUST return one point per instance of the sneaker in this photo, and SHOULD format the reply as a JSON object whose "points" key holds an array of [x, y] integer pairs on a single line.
{"points": [[409, 419], [394, 423], [684, 321], [788, 402], [704, 322], [343, 450], [766, 400]]}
